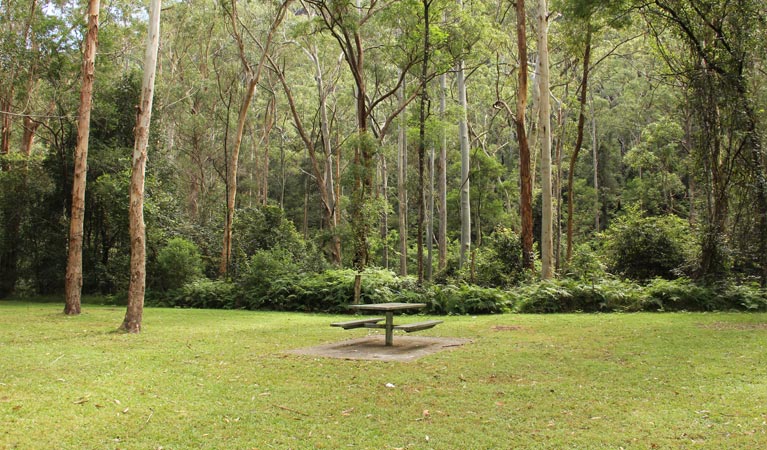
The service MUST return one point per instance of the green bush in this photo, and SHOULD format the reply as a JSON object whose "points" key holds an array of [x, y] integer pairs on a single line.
{"points": [[569, 295], [265, 268], [178, 263], [642, 248], [204, 293], [467, 299], [498, 262]]}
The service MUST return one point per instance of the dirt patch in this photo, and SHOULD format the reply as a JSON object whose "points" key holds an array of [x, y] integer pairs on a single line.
{"points": [[506, 328], [372, 348]]}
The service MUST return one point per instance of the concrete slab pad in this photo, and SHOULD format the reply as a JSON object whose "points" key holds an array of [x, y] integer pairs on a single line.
{"points": [[372, 348]]}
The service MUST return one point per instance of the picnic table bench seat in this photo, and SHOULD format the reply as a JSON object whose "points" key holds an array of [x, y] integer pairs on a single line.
{"points": [[357, 323], [417, 326]]}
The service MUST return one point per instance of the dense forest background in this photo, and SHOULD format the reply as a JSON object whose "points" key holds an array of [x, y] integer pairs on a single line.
{"points": [[333, 137]]}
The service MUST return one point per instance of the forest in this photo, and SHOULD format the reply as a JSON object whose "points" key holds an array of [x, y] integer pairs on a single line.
{"points": [[482, 155]]}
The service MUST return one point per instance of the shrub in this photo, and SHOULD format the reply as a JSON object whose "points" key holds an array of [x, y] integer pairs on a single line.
{"points": [[642, 248], [498, 262], [569, 295], [467, 299], [178, 263], [264, 268], [205, 293]]}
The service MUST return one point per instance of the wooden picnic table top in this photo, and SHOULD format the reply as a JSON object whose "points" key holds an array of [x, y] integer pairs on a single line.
{"points": [[388, 306]]}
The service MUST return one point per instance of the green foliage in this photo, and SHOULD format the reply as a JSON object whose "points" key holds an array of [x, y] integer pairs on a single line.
{"points": [[178, 263], [642, 248], [266, 268], [586, 263], [498, 262], [467, 299], [203, 293]]}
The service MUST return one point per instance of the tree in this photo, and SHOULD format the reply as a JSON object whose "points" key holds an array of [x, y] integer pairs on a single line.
{"points": [[422, 111], [547, 244], [721, 44], [252, 78], [135, 310], [74, 275], [525, 179], [463, 138], [345, 22]]}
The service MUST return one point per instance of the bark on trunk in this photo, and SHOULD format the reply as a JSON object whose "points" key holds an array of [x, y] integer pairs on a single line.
{"points": [[422, 143], [74, 274], [525, 178], [547, 246], [402, 188], [442, 178], [463, 134], [137, 286]]}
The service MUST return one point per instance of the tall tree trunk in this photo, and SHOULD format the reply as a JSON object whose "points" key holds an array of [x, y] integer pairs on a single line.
{"points": [[595, 161], [252, 77], [442, 177], [384, 213], [422, 140], [402, 187], [525, 178], [137, 285], [74, 275], [578, 144], [463, 135], [547, 246]]}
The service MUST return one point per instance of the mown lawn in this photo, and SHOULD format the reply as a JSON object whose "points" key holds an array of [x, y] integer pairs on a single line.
{"points": [[222, 379]]}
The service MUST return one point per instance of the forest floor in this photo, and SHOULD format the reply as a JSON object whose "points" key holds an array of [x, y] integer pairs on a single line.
{"points": [[228, 379]]}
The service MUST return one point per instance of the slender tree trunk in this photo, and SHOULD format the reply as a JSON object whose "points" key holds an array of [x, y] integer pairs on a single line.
{"points": [[137, 285], [252, 77], [422, 140], [402, 187], [328, 151], [463, 135], [384, 213], [547, 250], [74, 276], [430, 220], [525, 178], [595, 161], [442, 177], [578, 145]]}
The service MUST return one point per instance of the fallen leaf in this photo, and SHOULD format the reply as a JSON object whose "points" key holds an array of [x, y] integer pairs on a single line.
{"points": [[81, 400], [16, 408], [125, 411], [347, 412]]}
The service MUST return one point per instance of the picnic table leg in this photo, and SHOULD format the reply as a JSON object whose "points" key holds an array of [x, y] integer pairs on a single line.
{"points": [[389, 328]]}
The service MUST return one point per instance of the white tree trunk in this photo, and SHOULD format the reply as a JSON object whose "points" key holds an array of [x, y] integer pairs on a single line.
{"points": [[137, 286], [74, 274], [547, 244], [463, 135], [402, 187], [442, 177]]}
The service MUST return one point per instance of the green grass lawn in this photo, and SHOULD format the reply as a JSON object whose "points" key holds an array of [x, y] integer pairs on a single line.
{"points": [[222, 379]]}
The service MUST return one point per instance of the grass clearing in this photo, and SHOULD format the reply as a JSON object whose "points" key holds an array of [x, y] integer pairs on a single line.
{"points": [[221, 379]]}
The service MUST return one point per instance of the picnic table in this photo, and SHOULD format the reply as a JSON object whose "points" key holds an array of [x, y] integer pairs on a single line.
{"points": [[388, 309]]}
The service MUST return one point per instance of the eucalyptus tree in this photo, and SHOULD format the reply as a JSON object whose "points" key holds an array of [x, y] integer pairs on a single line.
{"points": [[252, 75], [722, 40], [350, 25], [544, 117], [74, 275], [593, 16], [137, 287]]}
